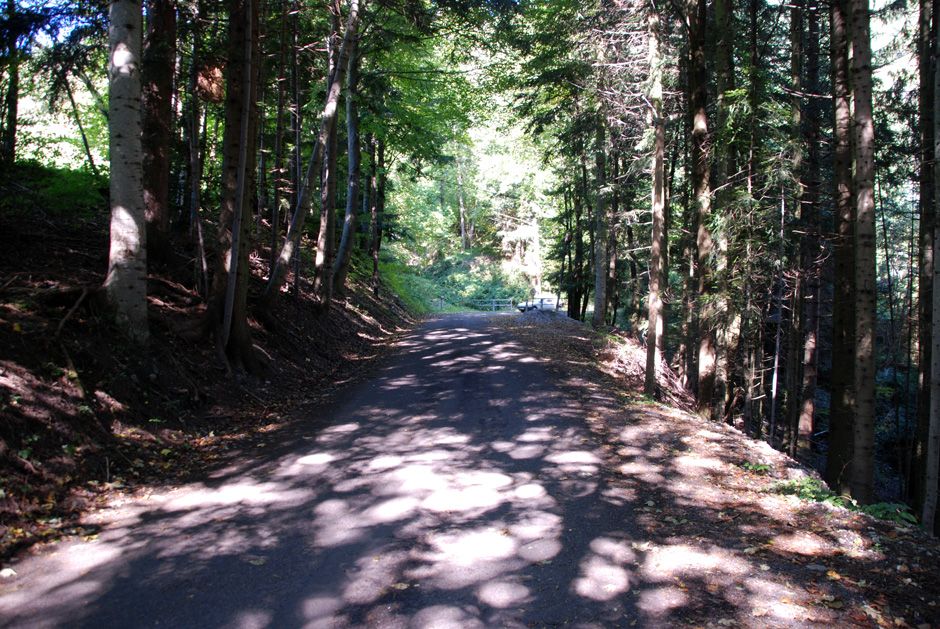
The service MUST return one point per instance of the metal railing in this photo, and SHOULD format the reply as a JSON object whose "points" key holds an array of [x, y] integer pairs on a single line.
{"points": [[493, 305]]}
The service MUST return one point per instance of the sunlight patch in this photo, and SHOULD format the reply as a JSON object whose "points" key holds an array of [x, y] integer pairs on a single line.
{"points": [[320, 458], [502, 594], [445, 617], [252, 619], [660, 601], [601, 580], [465, 499], [666, 562]]}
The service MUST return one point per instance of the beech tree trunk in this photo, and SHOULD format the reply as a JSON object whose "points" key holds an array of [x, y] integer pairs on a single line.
{"points": [[126, 283]]}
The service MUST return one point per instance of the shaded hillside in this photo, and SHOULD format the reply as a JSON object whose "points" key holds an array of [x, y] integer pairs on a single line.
{"points": [[85, 415]]}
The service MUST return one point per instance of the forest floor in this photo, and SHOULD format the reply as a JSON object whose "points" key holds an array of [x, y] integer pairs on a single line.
{"points": [[728, 501], [86, 417]]}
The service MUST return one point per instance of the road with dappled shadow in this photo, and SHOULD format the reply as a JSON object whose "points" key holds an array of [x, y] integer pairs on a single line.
{"points": [[457, 488]]}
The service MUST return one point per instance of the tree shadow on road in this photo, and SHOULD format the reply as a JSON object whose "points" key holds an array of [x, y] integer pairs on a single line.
{"points": [[462, 487]]}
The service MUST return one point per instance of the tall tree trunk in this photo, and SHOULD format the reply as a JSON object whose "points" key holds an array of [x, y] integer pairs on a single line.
{"points": [[841, 416], [378, 209], [577, 264], [931, 453], [227, 309], [866, 288], [927, 36], [344, 255], [157, 68], [811, 262], [600, 218], [126, 283], [327, 125], [701, 190], [326, 240], [12, 96], [81, 128], [460, 200], [654, 333], [726, 321], [278, 168]]}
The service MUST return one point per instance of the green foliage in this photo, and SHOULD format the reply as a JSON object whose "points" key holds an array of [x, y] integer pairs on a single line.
{"points": [[761, 469], [814, 490], [465, 277], [58, 191]]}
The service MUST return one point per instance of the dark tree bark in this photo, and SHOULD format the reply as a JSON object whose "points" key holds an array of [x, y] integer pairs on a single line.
{"points": [[701, 190], [227, 309], [157, 68], [927, 35], [600, 237], [841, 416]]}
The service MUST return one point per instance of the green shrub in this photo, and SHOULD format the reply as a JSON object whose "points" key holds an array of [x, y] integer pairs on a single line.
{"points": [[814, 490]]}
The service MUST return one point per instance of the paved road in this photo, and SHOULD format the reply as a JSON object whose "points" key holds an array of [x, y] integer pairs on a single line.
{"points": [[457, 488]]}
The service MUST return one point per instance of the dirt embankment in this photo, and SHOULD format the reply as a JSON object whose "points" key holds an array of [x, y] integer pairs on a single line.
{"points": [[84, 415]]}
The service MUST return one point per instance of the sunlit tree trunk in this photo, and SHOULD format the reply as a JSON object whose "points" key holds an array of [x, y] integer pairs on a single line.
{"points": [[841, 415], [378, 209], [654, 333], [157, 67], [866, 289], [350, 223], [126, 284]]}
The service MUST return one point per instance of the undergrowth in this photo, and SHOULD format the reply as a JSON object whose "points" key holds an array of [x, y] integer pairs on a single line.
{"points": [[814, 490]]}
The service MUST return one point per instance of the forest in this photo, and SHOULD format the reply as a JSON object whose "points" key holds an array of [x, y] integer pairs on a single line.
{"points": [[749, 188]]}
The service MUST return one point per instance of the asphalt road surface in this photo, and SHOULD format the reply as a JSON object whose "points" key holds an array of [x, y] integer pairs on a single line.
{"points": [[456, 488]]}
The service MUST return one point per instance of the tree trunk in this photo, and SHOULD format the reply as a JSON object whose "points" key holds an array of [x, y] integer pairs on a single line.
{"points": [[227, 309], [378, 209], [929, 18], [157, 67], [350, 225], [841, 415], [327, 124], [811, 262], [326, 239], [701, 189], [654, 333], [866, 289], [12, 96], [600, 239], [126, 284]]}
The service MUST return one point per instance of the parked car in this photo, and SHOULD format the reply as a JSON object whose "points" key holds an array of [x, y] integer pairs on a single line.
{"points": [[548, 302]]}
